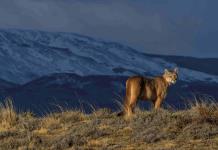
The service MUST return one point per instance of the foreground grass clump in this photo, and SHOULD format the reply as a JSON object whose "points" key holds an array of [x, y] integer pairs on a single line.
{"points": [[8, 116], [194, 128]]}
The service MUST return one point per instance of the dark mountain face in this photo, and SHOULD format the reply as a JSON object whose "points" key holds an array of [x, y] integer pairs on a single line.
{"points": [[73, 91], [68, 90]]}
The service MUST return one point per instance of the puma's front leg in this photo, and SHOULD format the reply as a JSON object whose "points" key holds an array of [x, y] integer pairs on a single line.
{"points": [[158, 102]]}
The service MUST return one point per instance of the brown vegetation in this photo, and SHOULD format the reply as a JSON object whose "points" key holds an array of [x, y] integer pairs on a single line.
{"points": [[194, 128]]}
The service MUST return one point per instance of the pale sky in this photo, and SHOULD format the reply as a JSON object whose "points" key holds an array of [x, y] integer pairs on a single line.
{"points": [[170, 27]]}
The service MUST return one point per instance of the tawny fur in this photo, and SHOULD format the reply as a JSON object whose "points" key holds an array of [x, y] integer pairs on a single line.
{"points": [[143, 88]]}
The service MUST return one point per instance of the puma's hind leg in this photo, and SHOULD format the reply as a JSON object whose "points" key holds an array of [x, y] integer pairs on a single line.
{"points": [[131, 99], [132, 94]]}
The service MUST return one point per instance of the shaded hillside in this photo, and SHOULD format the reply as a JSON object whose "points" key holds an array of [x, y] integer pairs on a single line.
{"points": [[74, 91]]}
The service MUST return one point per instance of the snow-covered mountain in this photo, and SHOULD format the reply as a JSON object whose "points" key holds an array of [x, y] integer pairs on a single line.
{"points": [[26, 55], [42, 68]]}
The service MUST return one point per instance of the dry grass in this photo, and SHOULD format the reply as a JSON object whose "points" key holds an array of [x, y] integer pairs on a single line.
{"points": [[8, 115], [194, 128]]}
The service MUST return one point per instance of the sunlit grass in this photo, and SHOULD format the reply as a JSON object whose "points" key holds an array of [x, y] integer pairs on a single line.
{"points": [[8, 115], [194, 128]]}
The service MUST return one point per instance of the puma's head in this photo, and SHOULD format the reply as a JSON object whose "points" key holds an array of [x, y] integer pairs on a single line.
{"points": [[171, 76]]}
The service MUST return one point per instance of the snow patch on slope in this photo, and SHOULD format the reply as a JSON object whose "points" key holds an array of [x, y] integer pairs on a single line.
{"points": [[26, 55]]}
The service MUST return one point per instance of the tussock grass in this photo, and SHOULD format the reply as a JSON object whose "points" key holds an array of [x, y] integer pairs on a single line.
{"points": [[8, 115], [206, 111], [194, 128]]}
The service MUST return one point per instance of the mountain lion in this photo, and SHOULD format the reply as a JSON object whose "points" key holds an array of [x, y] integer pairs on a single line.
{"points": [[153, 89]]}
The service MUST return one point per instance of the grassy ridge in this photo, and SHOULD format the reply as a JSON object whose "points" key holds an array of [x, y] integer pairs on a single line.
{"points": [[194, 128]]}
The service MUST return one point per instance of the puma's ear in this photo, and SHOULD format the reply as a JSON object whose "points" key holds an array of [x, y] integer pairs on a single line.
{"points": [[166, 71], [176, 70]]}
